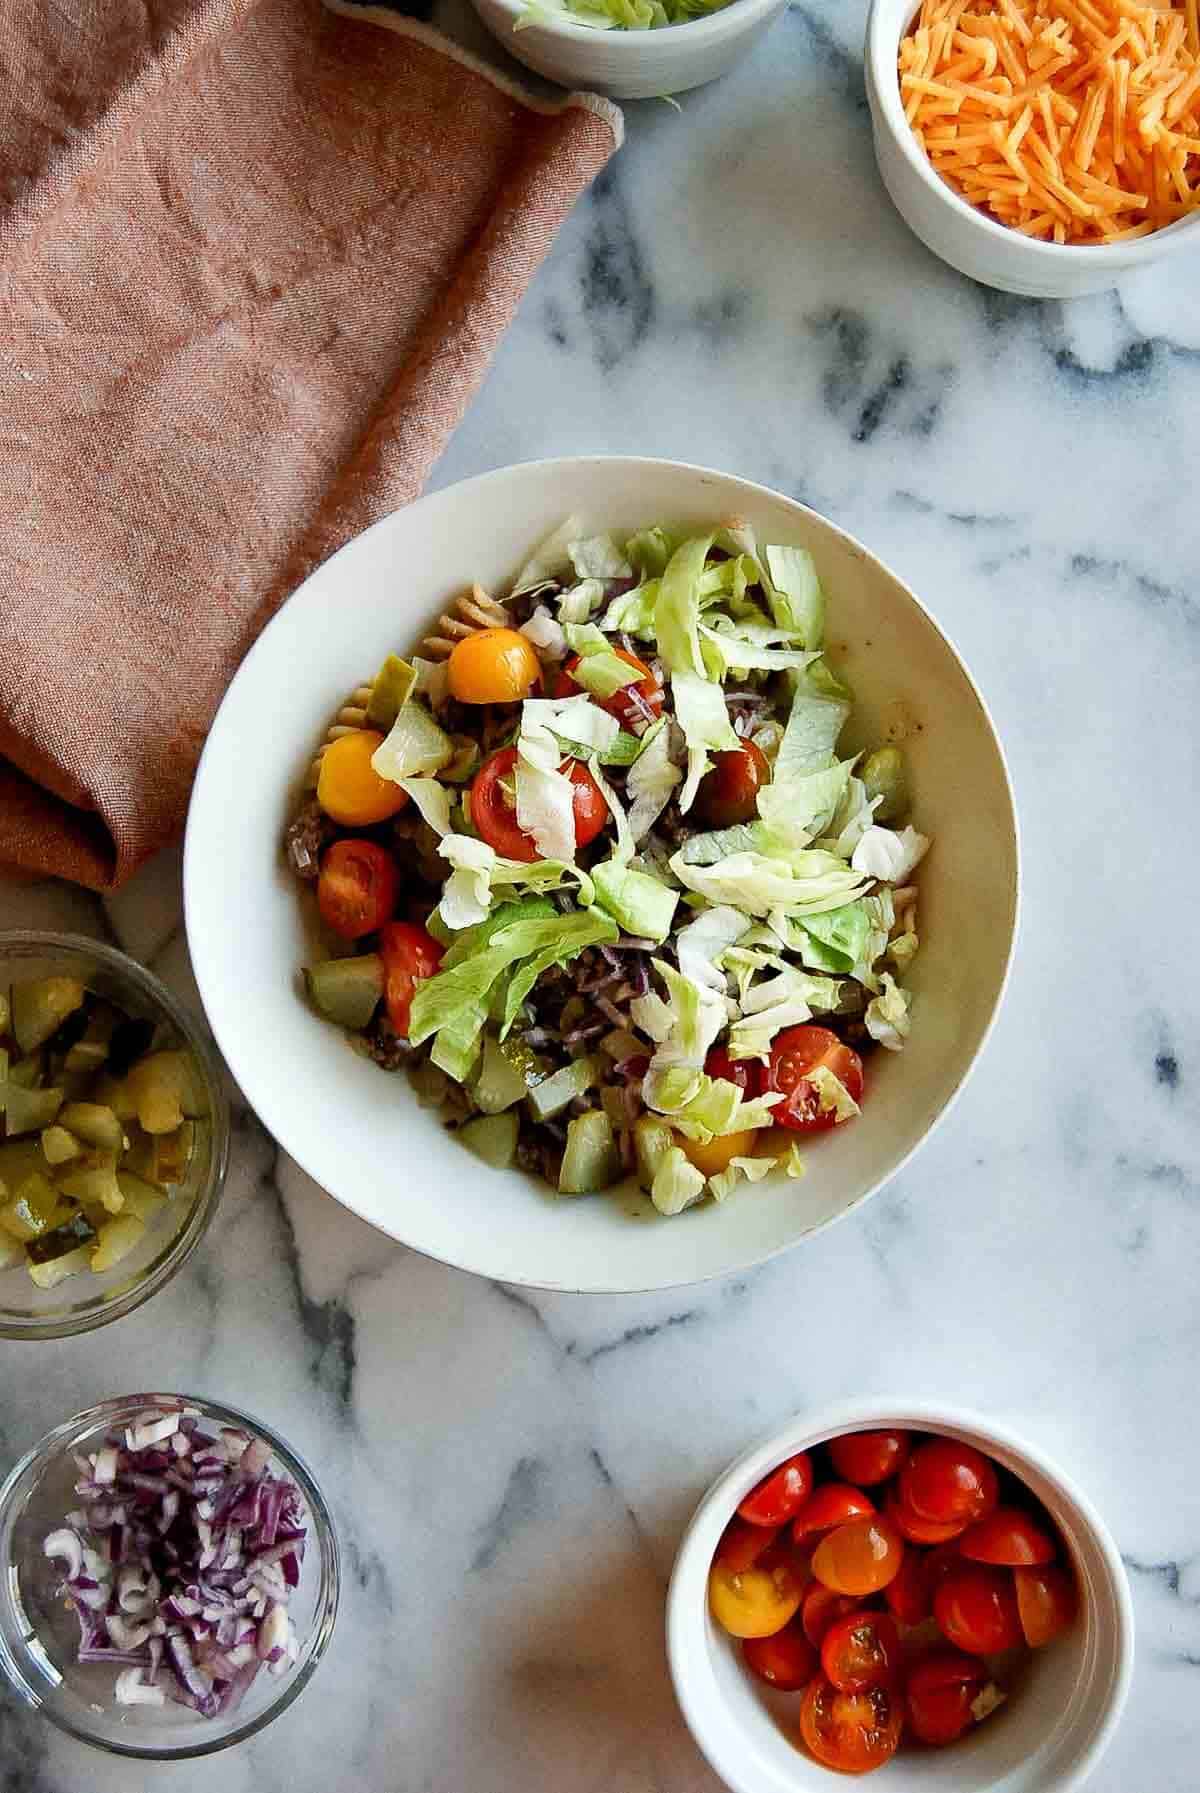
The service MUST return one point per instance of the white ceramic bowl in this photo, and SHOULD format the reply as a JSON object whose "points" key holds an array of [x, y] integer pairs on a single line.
{"points": [[631, 65], [959, 232], [360, 1133], [1048, 1737]]}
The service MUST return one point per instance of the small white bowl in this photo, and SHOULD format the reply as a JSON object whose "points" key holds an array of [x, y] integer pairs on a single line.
{"points": [[959, 232], [362, 1134], [1046, 1740], [630, 65]]}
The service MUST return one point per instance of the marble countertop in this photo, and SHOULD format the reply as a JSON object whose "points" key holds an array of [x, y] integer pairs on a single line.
{"points": [[511, 1473]]}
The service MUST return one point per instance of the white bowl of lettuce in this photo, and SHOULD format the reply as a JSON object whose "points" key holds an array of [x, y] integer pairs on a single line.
{"points": [[628, 49], [363, 1135]]}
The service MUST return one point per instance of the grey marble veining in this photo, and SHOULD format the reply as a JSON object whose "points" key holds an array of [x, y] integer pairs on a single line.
{"points": [[511, 1472]]}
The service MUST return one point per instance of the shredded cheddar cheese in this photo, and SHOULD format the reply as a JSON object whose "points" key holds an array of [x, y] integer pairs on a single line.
{"points": [[1075, 121]]}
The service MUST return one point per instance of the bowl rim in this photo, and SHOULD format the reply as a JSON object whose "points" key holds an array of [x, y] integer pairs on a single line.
{"points": [[194, 875], [323, 1526], [717, 24], [883, 86], [806, 1430], [48, 942]]}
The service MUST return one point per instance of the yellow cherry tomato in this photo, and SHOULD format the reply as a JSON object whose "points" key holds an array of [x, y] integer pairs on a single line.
{"points": [[711, 1159], [859, 1557], [493, 666], [350, 789], [754, 1602]]}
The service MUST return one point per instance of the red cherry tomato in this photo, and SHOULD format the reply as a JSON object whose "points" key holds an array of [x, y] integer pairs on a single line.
{"points": [[945, 1481], [1008, 1537], [861, 1650], [622, 704], [748, 1073], [742, 1545], [409, 954], [494, 813], [940, 1690], [820, 1608], [787, 1660], [908, 1595], [779, 1495], [729, 793], [915, 1529], [976, 1610], [853, 1732], [865, 1458], [797, 1052], [1046, 1602], [860, 1557], [833, 1503], [357, 888]]}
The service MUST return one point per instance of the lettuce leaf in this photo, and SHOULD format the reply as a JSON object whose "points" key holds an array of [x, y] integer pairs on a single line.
{"points": [[701, 714], [797, 807], [697, 1016], [633, 611], [746, 647], [887, 1017], [649, 551], [573, 719], [413, 747], [677, 1183], [580, 601], [701, 944], [478, 871], [598, 557], [888, 856], [753, 1170], [601, 671], [813, 726], [794, 592], [832, 1095], [546, 634], [677, 611], [652, 777], [639, 904], [432, 800], [551, 558], [834, 941], [806, 883]]}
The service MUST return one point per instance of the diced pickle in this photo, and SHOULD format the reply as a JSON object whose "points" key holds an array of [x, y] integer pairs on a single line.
{"points": [[141, 1199], [29, 1110], [501, 1082], [34, 1208], [12, 1251], [390, 692], [885, 776], [95, 1123], [40, 1005], [550, 1097], [590, 1160], [117, 1239], [90, 1051], [346, 990], [74, 1232], [26, 1073], [492, 1137], [652, 1140], [93, 1183], [465, 763], [59, 1146], [164, 1087], [47, 1276], [21, 1158], [5, 1010]]}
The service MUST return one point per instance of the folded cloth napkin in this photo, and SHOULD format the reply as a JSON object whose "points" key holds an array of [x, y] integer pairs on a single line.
{"points": [[254, 258]]}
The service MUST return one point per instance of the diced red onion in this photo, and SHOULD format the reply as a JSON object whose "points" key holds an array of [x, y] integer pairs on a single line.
{"points": [[207, 1545]]}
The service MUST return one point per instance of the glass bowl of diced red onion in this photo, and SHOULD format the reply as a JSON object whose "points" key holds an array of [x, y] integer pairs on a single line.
{"points": [[170, 1576]]}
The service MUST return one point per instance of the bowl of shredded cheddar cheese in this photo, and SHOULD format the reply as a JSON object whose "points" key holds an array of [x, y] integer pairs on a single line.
{"points": [[1045, 147]]}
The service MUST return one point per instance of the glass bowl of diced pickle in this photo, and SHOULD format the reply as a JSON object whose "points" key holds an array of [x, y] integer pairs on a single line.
{"points": [[114, 1134]]}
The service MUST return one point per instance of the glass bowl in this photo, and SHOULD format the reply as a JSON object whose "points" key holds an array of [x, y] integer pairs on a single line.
{"points": [[39, 1633], [80, 1302]]}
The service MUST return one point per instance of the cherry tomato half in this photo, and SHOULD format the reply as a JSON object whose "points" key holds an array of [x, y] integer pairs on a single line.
{"points": [[860, 1557], [748, 1073], [494, 811], [787, 1660], [623, 704], [976, 1610], [757, 1602], [908, 1595], [741, 1544], [821, 1607], [1046, 1602], [1008, 1537], [833, 1503], [861, 1650], [493, 666], [797, 1052], [779, 1496], [729, 793], [357, 888], [349, 788], [865, 1458], [409, 954], [910, 1525], [940, 1690], [945, 1481], [853, 1732]]}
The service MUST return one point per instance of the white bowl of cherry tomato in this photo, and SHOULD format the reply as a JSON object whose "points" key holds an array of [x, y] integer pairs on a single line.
{"points": [[913, 1590]]}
